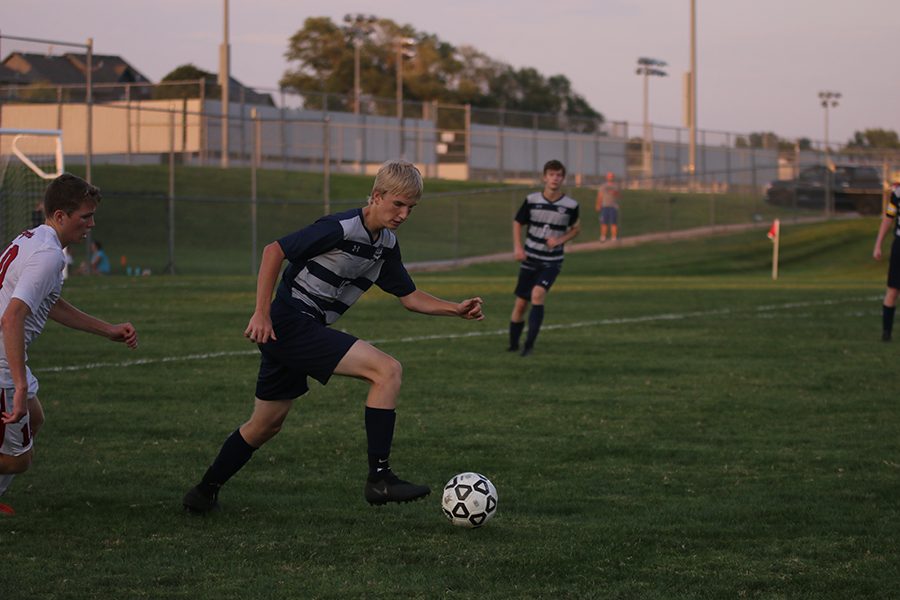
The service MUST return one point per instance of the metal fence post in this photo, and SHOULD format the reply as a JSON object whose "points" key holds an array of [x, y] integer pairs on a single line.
{"points": [[326, 165], [171, 266], [243, 121], [128, 121], [500, 157], [89, 145], [254, 164], [468, 125], [201, 84], [283, 131]]}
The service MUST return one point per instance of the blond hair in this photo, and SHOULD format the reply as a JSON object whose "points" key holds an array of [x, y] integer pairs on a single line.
{"points": [[398, 177]]}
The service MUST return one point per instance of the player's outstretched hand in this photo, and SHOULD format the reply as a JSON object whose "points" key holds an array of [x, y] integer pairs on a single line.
{"points": [[471, 309], [125, 333], [259, 330], [18, 410]]}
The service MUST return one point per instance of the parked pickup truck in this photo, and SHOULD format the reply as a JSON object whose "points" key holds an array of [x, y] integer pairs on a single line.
{"points": [[856, 188]]}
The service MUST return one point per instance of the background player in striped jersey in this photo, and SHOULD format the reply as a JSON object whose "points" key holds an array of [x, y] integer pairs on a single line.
{"points": [[31, 278], [889, 305], [331, 263], [550, 219]]}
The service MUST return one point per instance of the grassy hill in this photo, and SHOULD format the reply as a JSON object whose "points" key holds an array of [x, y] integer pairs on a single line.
{"points": [[212, 218]]}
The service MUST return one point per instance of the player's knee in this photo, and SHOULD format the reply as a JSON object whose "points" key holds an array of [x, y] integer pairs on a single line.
{"points": [[538, 294], [392, 372], [14, 465]]}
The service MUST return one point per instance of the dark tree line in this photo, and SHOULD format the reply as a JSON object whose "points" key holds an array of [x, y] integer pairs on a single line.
{"points": [[323, 56]]}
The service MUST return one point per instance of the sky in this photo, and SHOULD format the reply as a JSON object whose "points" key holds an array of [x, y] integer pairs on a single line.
{"points": [[760, 63]]}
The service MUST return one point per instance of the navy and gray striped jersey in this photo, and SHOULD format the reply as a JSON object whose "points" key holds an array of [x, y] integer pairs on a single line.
{"points": [[546, 219], [334, 261]]}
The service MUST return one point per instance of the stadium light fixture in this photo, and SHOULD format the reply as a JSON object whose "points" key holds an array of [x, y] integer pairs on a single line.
{"points": [[648, 67], [828, 99]]}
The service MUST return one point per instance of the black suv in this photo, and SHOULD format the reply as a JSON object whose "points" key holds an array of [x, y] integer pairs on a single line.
{"points": [[855, 188]]}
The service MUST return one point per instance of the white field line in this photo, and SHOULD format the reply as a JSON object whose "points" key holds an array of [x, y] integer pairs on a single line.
{"points": [[471, 334]]}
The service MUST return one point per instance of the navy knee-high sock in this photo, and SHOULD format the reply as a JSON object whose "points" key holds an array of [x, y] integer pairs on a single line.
{"points": [[535, 318], [515, 332], [380, 436], [234, 454], [887, 318]]}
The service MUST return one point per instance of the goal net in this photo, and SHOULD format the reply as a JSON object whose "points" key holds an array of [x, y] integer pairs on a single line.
{"points": [[29, 159]]}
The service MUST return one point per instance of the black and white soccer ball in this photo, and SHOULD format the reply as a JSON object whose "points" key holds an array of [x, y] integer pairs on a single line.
{"points": [[469, 500]]}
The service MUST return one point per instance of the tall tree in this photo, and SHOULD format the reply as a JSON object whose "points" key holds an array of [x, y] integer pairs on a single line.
{"points": [[184, 73], [435, 70], [875, 138]]}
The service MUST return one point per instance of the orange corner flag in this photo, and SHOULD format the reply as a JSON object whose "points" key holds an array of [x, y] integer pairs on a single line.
{"points": [[774, 230]]}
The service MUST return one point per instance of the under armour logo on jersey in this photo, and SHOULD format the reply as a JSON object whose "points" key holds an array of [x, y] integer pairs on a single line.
{"points": [[355, 249]]}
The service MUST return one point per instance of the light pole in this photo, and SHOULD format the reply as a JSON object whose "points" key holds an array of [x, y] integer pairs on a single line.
{"points": [[692, 148], [648, 67], [403, 47], [360, 27], [828, 100], [224, 82]]}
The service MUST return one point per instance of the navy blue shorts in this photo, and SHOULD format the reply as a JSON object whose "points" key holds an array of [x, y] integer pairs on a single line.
{"points": [[609, 215], [535, 273], [894, 267], [304, 348]]}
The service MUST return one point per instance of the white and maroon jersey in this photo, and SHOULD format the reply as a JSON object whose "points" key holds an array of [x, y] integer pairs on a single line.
{"points": [[31, 269]]}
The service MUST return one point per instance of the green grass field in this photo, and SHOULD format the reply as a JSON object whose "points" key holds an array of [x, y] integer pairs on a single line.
{"points": [[687, 428]]}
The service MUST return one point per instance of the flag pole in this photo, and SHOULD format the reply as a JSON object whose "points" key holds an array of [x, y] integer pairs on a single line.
{"points": [[775, 234]]}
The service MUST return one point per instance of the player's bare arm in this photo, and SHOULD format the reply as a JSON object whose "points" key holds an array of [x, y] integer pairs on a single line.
{"points": [[518, 249], [422, 302], [885, 226], [260, 330], [573, 231], [13, 324], [68, 315]]}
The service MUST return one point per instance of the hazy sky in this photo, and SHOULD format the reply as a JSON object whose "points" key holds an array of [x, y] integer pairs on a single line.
{"points": [[761, 63]]}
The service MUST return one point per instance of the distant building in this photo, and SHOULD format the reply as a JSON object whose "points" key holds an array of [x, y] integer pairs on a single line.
{"points": [[70, 69], [110, 76]]}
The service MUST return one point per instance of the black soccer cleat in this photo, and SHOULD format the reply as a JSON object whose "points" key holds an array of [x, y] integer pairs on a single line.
{"points": [[512, 348], [885, 336], [526, 351], [386, 487], [201, 499]]}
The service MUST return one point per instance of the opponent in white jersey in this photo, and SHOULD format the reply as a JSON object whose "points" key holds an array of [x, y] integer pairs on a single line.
{"points": [[31, 278]]}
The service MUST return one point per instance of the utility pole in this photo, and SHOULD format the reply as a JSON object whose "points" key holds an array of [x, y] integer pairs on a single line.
{"points": [[692, 151], [648, 67], [224, 79], [403, 47], [360, 27]]}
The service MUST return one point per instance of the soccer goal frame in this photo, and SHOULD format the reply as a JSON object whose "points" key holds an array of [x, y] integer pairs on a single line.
{"points": [[20, 134], [29, 159]]}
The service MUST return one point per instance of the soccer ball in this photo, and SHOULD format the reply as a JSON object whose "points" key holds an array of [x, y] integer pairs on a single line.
{"points": [[469, 500]]}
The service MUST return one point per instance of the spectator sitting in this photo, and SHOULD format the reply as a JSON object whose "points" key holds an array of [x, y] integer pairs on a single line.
{"points": [[99, 261]]}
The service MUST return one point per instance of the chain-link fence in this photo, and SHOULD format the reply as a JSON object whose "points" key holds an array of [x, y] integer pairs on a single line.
{"points": [[178, 125]]}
